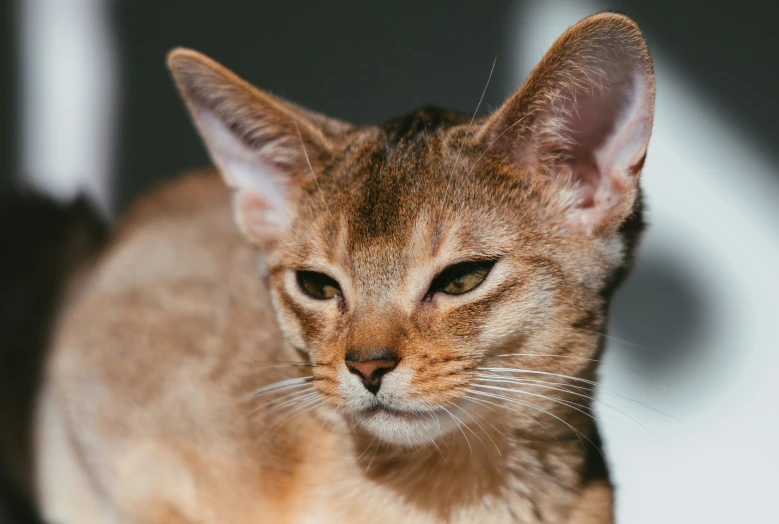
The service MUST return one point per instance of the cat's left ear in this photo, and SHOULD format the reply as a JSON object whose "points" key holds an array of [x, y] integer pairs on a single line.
{"points": [[580, 124], [267, 149]]}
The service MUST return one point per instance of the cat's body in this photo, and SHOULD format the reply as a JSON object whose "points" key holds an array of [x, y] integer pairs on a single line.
{"points": [[182, 390], [203, 335]]}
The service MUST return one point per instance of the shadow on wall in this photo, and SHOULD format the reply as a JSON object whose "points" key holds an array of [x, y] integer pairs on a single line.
{"points": [[663, 315]]}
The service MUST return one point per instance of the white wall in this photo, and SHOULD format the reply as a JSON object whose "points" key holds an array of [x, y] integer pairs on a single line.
{"points": [[69, 91]]}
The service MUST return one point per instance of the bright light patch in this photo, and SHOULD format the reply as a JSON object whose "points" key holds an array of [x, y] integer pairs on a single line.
{"points": [[69, 87]]}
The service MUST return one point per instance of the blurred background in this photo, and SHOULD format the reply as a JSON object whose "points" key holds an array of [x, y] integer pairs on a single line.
{"points": [[87, 107]]}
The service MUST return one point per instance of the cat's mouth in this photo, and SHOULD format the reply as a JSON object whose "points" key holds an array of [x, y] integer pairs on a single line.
{"points": [[380, 410], [404, 427]]}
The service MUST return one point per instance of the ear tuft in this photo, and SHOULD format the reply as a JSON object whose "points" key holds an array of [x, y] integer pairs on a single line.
{"points": [[585, 115], [179, 57]]}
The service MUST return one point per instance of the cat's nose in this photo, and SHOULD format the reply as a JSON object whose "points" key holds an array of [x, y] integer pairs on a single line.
{"points": [[371, 367]]}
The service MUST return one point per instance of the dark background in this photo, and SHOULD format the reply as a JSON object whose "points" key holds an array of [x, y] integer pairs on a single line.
{"points": [[368, 61], [7, 92]]}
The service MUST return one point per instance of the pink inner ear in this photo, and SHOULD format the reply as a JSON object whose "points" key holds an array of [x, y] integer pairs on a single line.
{"points": [[586, 173], [260, 221], [606, 128]]}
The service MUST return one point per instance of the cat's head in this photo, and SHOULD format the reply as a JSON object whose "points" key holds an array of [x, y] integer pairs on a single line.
{"points": [[408, 261]]}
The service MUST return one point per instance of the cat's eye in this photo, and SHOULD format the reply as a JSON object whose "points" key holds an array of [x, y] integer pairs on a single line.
{"points": [[461, 278], [318, 285]]}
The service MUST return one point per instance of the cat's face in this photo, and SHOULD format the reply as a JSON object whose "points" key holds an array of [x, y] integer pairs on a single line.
{"points": [[419, 264], [399, 255]]}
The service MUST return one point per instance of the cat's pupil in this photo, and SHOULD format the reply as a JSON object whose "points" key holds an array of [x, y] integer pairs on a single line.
{"points": [[318, 285]]}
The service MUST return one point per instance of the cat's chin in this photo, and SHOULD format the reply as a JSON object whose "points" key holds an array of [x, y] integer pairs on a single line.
{"points": [[405, 428]]}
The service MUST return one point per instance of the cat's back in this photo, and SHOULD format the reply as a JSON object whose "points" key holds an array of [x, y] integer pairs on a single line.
{"points": [[174, 290], [176, 232], [166, 332]]}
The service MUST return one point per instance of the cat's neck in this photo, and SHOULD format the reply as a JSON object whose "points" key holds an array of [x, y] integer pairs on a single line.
{"points": [[497, 463]]}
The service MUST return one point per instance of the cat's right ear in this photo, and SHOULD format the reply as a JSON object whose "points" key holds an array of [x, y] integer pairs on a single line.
{"points": [[580, 124], [265, 148]]}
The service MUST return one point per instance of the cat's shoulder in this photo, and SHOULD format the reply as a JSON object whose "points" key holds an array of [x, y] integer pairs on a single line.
{"points": [[181, 230], [185, 196], [175, 290], [173, 264]]}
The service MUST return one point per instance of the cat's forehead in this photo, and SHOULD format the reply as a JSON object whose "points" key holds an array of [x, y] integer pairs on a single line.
{"points": [[408, 178], [404, 194], [420, 125]]}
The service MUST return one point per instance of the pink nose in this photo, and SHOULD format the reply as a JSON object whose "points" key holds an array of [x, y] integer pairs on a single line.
{"points": [[371, 369]]}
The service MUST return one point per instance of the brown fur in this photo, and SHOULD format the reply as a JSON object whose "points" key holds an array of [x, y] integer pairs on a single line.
{"points": [[148, 387]]}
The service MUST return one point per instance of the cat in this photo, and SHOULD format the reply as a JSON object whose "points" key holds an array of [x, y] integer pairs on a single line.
{"points": [[395, 323]]}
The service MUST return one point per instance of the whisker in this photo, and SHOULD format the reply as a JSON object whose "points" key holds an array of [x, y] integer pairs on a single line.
{"points": [[468, 131], [490, 424], [516, 412], [553, 399], [306, 407], [543, 355], [281, 363], [286, 401], [471, 429], [308, 161], [459, 426], [573, 357], [592, 383], [365, 450], [488, 407], [312, 401], [290, 398], [573, 405], [287, 394], [468, 174], [372, 457], [278, 386], [286, 388], [532, 382], [432, 439], [578, 433], [539, 372], [280, 383], [615, 339], [562, 389], [458, 394], [478, 424], [569, 387], [313, 440]]}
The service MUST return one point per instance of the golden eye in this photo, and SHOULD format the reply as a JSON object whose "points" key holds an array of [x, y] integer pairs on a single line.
{"points": [[318, 285], [461, 278]]}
